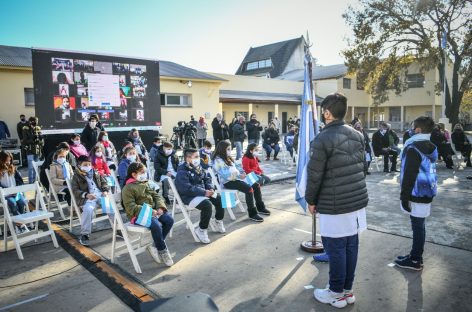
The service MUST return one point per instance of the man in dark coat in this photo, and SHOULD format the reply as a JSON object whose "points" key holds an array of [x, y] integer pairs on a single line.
{"points": [[384, 142], [336, 189], [220, 129], [254, 129], [90, 133]]}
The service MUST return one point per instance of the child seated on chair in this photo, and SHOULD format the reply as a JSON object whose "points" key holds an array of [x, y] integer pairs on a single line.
{"points": [[60, 170], [196, 190], [129, 156], [88, 186], [99, 162], [10, 177], [156, 144], [165, 167], [138, 192], [251, 164], [232, 178], [205, 155]]}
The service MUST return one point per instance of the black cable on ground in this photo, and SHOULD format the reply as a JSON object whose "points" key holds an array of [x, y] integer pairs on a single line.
{"points": [[40, 279]]}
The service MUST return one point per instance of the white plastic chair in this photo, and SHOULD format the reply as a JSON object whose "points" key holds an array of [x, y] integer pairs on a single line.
{"points": [[44, 191], [39, 214], [456, 157], [117, 193], [219, 189], [60, 205], [134, 246], [375, 159], [186, 212]]}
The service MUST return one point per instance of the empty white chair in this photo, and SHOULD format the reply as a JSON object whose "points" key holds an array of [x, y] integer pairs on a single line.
{"points": [[39, 214], [61, 205], [219, 189], [134, 246], [186, 211], [375, 159]]}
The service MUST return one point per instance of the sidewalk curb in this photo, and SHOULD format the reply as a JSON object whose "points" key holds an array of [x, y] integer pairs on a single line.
{"points": [[125, 286]]}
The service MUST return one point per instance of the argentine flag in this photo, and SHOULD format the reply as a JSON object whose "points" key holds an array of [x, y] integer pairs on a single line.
{"points": [[307, 131]]}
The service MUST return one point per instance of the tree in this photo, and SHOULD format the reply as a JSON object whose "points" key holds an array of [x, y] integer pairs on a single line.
{"points": [[391, 34]]}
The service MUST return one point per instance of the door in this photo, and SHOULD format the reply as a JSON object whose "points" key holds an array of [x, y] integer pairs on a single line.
{"points": [[270, 116], [284, 122]]}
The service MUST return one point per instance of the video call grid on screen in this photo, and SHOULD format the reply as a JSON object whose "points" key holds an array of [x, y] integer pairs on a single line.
{"points": [[70, 87]]}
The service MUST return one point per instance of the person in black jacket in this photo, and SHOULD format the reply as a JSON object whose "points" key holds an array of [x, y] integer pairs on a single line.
{"points": [[418, 187], [254, 129], [220, 129], [20, 125], [90, 133], [196, 190], [368, 151], [439, 139], [461, 143], [239, 136], [384, 142], [32, 143], [271, 141], [336, 189], [165, 166]]}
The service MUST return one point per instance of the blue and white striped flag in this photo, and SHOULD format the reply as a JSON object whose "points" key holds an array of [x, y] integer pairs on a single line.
{"points": [[106, 205], [145, 216], [228, 199], [308, 129], [251, 178]]}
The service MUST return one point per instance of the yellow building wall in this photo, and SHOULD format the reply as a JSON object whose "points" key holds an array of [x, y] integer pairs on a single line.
{"points": [[259, 84], [204, 98], [12, 100]]}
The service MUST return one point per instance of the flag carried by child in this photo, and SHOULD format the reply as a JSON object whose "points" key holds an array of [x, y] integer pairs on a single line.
{"points": [[251, 178], [106, 205], [228, 199], [145, 216]]}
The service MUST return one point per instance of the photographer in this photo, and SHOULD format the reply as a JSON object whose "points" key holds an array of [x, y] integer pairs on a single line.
{"points": [[32, 143], [220, 129], [190, 135]]}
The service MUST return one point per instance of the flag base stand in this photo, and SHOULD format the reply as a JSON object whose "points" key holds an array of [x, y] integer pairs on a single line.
{"points": [[312, 246]]}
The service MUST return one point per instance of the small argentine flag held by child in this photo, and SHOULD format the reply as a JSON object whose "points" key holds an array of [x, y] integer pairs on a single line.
{"points": [[145, 216], [228, 199], [106, 205], [251, 178], [110, 181]]}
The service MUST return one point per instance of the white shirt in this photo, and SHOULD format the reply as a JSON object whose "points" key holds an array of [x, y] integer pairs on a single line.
{"points": [[418, 210], [343, 225], [7, 180]]}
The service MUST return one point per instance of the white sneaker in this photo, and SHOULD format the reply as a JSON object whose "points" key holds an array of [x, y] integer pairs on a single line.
{"points": [[349, 295], [154, 253], [202, 235], [218, 224], [337, 300], [165, 256]]}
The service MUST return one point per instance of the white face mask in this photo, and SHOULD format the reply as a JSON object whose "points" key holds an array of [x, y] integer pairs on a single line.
{"points": [[77, 142], [131, 157], [141, 177], [98, 154], [61, 160], [85, 168], [196, 162], [168, 152], [92, 124], [158, 144], [228, 153], [383, 131], [105, 138], [207, 151]]}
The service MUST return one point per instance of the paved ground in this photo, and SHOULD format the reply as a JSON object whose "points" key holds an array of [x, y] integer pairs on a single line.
{"points": [[257, 267]]}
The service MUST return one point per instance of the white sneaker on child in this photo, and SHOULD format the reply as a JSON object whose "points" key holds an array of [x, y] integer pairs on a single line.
{"points": [[349, 295], [166, 257], [219, 226], [154, 253], [337, 300], [202, 235]]}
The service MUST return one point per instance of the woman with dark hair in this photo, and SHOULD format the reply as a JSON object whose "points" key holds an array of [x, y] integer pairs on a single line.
{"points": [[439, 139], [233, 178], [134, 137], [251, 164], [135, 194], [129, 156], [108, 149]]}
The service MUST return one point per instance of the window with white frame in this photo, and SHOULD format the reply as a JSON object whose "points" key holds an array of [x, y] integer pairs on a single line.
{"points": [[180, 100], [29, 96], [259, 64], [415, 80], [346, 83]]}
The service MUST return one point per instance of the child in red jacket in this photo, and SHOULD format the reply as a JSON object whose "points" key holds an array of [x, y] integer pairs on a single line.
{"points": [[250, 164], [99, 161]]}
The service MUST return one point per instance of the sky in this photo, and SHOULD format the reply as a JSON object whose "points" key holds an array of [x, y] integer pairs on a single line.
{"points": [[207, 35]]}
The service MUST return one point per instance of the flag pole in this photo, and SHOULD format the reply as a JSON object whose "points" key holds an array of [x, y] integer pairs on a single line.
{"points": [[312, 246]]}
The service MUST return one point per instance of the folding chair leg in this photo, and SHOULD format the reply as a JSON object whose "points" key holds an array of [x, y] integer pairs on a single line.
{"points": [[136, 266], [231, 213], [15, 240], [113, 242], [53, 236], [173, 217]]}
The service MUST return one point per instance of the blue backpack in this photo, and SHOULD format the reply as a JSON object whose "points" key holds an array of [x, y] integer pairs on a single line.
{"points": [[426, 184]]}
